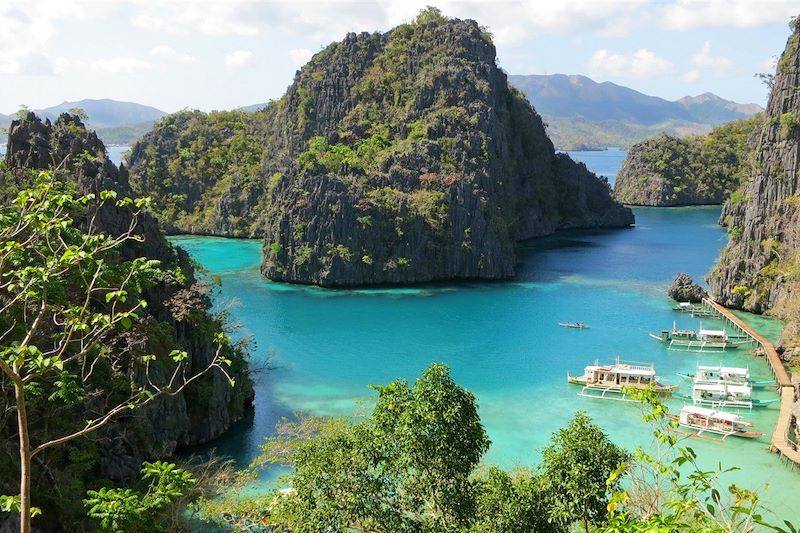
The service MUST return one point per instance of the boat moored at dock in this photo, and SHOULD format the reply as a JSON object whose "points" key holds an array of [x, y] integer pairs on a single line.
{"points": [[724, 395], [609, 381], [729, 375], [700, 340], [705, 420]]}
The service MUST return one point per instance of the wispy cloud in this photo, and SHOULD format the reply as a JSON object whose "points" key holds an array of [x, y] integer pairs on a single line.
{"points": [[239, 58], [641, 64], [120, 65], [300, 56], [170, 54], [703, 63], [684, 15]]}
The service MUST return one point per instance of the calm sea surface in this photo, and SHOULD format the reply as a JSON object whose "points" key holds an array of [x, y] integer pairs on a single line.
{"points": [[502, 340], [602, 162]]}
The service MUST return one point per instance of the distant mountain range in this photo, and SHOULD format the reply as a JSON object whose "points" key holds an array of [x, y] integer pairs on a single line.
{"points": [[581, 112], [115, 122]]}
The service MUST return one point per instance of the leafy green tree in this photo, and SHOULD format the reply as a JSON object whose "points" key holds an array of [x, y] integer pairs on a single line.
{"points": [[79, 112], [406, 468], [66, 296], [512, 503], [124, 510], [680, 495], [576, 467]]}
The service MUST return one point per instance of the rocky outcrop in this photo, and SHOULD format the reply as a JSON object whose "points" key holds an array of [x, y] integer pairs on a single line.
{"points": [[203, 172], [684, 289], [177, 315], [665, 171], [410, 159], [758, 269], [403, 157]]}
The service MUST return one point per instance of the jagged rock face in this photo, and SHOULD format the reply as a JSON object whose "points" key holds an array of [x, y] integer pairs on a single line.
{"points": [[684, 289], [393, 158], [203, 172], [757, 270], [406, 157], [665, 171], [202, 412]]}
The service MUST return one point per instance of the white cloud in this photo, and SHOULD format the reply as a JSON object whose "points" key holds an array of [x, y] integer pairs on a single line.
{"points": [[641, 64], [27, 28], [231, 17], [769, 64], [239, 58], [300, 56], [120, 65], [170, 54], [686, 15], [703, 63]]}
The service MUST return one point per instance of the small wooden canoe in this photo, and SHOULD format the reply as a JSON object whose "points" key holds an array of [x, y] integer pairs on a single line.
{"points": [[575, 325]]}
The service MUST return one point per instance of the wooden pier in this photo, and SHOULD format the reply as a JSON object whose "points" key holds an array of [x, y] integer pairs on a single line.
{"points": [[780, 437]]}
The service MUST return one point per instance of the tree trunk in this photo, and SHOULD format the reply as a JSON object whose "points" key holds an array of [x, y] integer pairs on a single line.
{"points": [[585, 518], [24, 460]]}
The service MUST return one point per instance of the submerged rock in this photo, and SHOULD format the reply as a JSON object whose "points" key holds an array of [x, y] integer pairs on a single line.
{"points": [[684, 289]]}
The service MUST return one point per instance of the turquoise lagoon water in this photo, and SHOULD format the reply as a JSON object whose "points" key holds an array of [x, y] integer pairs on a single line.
{"points": [[602, 162], [502, 340]]}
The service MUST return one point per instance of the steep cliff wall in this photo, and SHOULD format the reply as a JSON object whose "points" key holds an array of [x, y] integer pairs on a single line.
{"points": [[178, 316], [696, 170], [759, 269], [405, 157], [411, 159], [203, 172]]}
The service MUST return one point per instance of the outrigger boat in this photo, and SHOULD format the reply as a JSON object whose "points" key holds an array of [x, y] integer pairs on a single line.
{"points": [[608, 381], [701, 340], [728, 375], [712, 421], [576, 325], [722, 395], [696, 310]]}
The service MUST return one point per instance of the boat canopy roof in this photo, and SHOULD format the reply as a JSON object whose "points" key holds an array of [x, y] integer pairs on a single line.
{"points": [[712, 332], [725, 369], [710, 413], [685, 304], [630, 370], [721, 387]]}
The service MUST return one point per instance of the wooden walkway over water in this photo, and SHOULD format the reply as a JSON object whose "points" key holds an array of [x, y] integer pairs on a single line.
{"points": [[780, 437]]}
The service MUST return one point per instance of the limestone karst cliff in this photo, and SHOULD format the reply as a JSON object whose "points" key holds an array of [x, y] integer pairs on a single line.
{"points": [[178, 315], [401, 157], [758, 270], [667, 171]]}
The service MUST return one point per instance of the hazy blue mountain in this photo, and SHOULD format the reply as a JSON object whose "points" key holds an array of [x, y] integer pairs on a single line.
{"points": [[584, 113], [115, 122], [252, 108], [106, 113], [708, 108]]}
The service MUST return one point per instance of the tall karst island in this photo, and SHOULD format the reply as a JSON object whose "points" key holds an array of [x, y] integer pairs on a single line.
{"points": [[400, 157]]}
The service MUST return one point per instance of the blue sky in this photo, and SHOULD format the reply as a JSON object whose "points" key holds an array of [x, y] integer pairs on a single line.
{"points": [[221, 54]]}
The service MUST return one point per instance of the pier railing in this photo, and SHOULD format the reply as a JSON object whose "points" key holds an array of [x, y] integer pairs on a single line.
{"points": [[781, 442]]}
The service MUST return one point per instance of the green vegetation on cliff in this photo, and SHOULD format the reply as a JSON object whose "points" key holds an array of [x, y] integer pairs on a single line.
{"points": [[666, 170], [191, 160], [106, 334], [401, 157], [759, 270]]}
